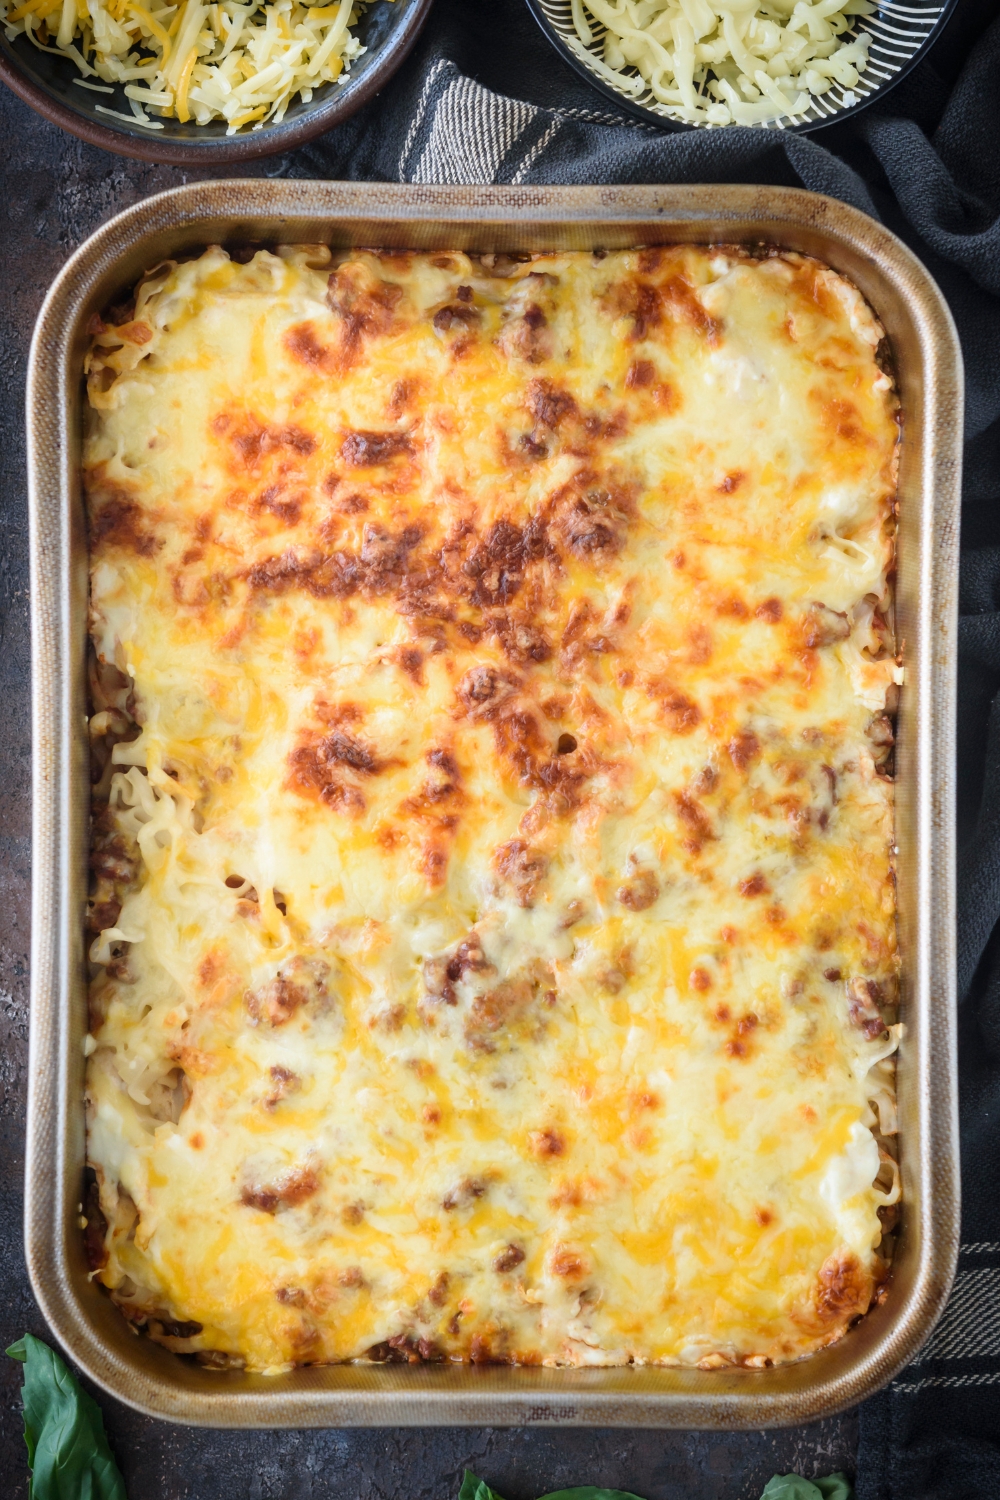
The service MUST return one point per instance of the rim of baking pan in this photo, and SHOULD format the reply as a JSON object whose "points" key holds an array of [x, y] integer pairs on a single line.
{"points": [[89, 1327], [336, 104], [938, 15]]}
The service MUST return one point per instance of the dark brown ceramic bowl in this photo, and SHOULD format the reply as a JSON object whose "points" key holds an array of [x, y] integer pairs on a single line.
{"points": [[388, 29]]}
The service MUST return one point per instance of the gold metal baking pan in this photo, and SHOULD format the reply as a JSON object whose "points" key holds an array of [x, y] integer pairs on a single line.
{"points": [[928, 362]]}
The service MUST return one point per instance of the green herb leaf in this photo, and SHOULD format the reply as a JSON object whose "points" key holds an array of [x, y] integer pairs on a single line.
{"points": [[793, 1487], [476, 1489], [588, 1492], [68, 1453], [781, 1487]]}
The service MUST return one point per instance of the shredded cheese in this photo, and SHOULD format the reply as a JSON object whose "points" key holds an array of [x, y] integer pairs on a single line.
{"points": [[231, 62], [724, 62]]}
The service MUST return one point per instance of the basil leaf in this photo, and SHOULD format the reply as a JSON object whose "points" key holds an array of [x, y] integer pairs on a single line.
{"points": [[781, 1487], [793, 1487], [476, 1489], [68, 1453], [588, 1492]]}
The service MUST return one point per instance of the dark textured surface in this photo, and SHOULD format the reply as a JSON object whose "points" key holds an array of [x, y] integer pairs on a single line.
{"points": [[56, 191]]}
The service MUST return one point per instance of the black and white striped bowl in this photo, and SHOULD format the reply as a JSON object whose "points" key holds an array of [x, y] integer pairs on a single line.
{"points": [[901, 34]]}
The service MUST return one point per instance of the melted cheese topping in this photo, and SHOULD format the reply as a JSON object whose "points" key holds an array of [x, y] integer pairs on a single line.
{"points": [[495, 915]]}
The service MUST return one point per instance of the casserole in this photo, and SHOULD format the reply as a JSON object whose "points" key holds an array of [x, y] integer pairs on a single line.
{"points": [[929, 384], [490, 851]]}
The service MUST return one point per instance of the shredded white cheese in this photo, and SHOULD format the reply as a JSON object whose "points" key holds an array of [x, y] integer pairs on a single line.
{"points": [[244, 64], [724, 62]]}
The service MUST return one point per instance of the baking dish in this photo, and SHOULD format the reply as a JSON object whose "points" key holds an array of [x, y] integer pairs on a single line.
{"points": [[927, 360]]}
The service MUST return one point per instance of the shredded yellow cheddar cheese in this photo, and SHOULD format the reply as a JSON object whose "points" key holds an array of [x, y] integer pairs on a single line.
{"points": [[192, 60]]}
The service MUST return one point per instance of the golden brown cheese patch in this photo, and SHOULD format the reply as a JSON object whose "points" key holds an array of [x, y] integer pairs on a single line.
{"points": [[494, 917]]}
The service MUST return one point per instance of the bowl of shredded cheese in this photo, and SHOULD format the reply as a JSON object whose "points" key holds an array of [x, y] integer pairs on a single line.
{"points": [[192, 81], [771, 64]]}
